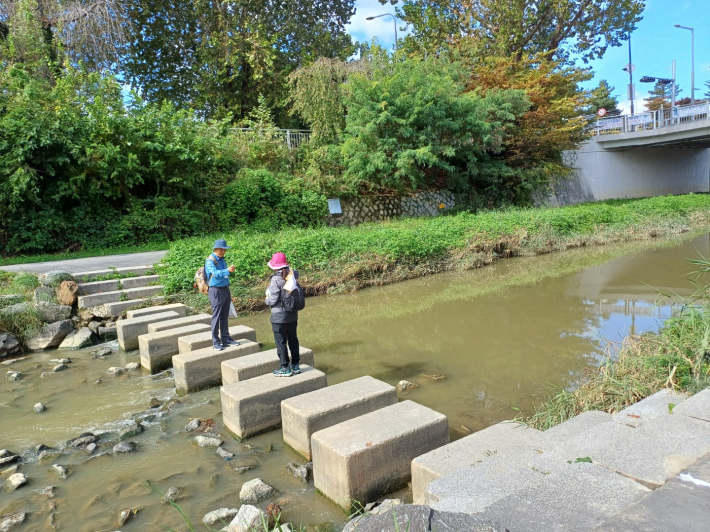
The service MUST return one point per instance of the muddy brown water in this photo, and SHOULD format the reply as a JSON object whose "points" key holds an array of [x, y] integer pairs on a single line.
{"points": [[501, 336]]}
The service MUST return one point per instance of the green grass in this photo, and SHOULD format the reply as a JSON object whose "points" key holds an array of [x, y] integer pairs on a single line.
{"points": [[348, 258], [48, 257]]}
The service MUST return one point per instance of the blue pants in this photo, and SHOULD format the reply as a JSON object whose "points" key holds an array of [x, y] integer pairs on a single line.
{"points": [[220, 298]]}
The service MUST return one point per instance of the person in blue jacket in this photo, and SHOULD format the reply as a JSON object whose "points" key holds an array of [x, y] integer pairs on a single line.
{"points": [[220, 296]]}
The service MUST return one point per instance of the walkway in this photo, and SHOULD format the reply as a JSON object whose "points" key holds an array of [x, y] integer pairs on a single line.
{"points": [[90, 263]]}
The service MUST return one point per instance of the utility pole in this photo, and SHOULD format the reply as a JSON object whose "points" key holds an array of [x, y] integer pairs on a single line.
{"points": [[673, 90], [692, 61], [632, 92]]}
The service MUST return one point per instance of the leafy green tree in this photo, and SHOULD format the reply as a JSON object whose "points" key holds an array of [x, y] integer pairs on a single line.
{"points": [[601, 97], [217, 58], [411, 125], [557, 28]]}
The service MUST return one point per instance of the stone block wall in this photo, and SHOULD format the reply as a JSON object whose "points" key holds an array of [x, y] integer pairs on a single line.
{"points": [[377, 208]]}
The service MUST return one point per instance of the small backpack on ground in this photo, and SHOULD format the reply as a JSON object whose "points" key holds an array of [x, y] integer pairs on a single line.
{"points": [[294, 300], [202, 283]]}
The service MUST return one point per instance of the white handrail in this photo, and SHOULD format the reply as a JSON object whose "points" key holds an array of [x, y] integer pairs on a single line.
{"points": [[653, 119]]}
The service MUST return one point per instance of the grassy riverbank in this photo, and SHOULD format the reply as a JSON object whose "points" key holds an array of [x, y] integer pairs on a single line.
{"points": [[349, 258], [678, 357]]}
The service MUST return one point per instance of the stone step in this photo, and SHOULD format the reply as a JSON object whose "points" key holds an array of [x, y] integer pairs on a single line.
{"points": [[698, 406], [241, 369], [572, 428], [157, 349], [160, 326], [143, 280], [175, 307], [254, 406], [83, 277], [651, 407], [204, 340], [96, 287], [102, 298], [305, 414], [129, 330], [364, 458], [200, 369], [469, 451], [116, 309]]}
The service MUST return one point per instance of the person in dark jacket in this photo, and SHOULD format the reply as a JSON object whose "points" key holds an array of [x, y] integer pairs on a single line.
{"points": [[283, 323]]}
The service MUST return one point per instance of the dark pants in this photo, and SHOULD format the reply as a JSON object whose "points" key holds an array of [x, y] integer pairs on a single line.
{"points": [[220, 298], [285, 333]]}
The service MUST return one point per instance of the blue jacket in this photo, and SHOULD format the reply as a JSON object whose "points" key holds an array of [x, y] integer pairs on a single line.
{"points": [[217, 274]]}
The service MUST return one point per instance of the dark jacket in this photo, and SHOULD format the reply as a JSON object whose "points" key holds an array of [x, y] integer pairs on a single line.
{"points": [[278, 315]]}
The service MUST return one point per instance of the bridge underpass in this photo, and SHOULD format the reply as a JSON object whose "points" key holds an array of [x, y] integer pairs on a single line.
{"points": [[650, 154]]}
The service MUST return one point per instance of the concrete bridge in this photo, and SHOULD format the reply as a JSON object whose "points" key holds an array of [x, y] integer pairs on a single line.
{"points": [[648, 154]]}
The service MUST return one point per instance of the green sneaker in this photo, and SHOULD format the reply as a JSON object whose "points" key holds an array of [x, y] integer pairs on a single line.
{"points": [[295, 369], [283, 372]]}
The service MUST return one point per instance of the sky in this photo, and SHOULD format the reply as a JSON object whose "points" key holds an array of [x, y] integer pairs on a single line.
{"points": [[654, 45]]}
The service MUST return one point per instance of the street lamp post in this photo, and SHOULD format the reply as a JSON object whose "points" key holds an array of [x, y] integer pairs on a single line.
{"points": [[692, 61], [395, 25]]}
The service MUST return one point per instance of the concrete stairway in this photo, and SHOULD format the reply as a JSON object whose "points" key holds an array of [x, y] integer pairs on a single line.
{"points": [[121, 289], [590, 470]]}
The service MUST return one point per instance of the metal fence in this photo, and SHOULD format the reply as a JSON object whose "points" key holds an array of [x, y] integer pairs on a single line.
{"points": [[293, 138], [652, 119]]}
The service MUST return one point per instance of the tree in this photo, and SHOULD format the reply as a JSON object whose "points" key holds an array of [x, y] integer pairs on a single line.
{"points": [[218, 57], [707, 94], [601, 98], [557, 28], [662, 95]]}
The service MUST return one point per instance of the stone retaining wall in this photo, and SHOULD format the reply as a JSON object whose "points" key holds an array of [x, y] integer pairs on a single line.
{"points": [[377, 208]]}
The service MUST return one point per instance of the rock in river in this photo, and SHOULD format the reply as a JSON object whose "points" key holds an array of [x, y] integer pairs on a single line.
{"points": [[218, 516], [59, 470], [9, 522], [8, 345], [247, 519], [15, 481], [300, 471], [59, 367], [82, 440], [6, 457], [39, 408], [207, 441], [14, 375], [132, 366], [79, 339], [174, 494], [125, 447], [101, 353], [224, 454], [115, 370], [405, 386], [254, 491], [131, 431], [191, 426], [125, 516], [51, 335]]}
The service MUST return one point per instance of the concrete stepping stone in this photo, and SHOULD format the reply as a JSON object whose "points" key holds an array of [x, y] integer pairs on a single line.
{"points": [[254, 406], [204, 340], [116, 309], [554, 436], [243, 368], [651, 407], [698, 406], [129, 330], [82, 277], [102, 298], [578, 497], [200, 369], [143, 280], [468, 451], [305, 414], [160, 326], [157, 349], [175, 307], [96, 287], [369, 456]]}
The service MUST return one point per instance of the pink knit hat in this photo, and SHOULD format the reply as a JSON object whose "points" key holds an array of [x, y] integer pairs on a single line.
{"points": [[278, 261]]}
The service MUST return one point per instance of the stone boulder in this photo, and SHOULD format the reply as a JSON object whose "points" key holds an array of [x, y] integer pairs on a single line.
{"points": [[248, 519], [44, 293], [9, 345], [17, 308], [254, 491], [415, 518], [51, 335], [51, 312], [15, 481], [79, 339], [67, 293], [220, 516], [108, 333], [55, 277], [9, 522]]}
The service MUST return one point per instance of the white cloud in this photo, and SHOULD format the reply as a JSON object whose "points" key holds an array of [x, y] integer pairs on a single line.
{"points": [[383, 28]]}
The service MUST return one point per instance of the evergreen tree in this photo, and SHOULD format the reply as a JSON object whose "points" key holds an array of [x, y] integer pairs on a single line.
{"points": [[601, 98], [707, 93], [662, 95]]}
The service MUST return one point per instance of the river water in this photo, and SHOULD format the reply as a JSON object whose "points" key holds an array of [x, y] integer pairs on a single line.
{"points": [[501, 336]]}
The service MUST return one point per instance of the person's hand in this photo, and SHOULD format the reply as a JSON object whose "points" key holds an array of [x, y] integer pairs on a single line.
{"points": [[231, 268]]}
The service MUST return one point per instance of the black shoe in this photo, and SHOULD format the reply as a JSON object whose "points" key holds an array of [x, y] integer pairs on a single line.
{"points": [[217, 347], [230, 342]]}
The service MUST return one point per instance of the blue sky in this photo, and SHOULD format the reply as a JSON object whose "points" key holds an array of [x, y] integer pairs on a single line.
{"points": [[654, 44]]}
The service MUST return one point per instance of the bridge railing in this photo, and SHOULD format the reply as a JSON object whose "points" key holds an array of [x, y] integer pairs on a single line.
{"points": [[652, 119]]}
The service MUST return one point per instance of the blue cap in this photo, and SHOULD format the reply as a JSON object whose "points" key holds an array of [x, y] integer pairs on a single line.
{"points": [[221, 244]]}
